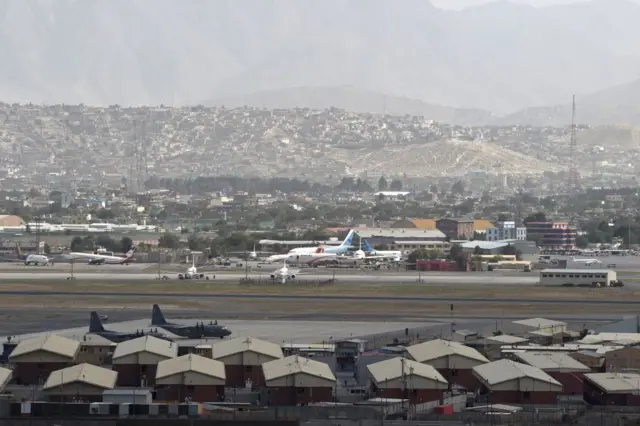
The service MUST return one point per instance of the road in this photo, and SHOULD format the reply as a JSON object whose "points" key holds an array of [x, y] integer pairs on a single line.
{"points": [[432, 278]]}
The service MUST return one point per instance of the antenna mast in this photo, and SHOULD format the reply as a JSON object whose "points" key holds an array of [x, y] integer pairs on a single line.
{"points": [[573, 171]]}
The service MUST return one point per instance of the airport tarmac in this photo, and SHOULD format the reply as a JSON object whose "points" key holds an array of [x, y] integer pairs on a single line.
{"points": [[74, 324]]}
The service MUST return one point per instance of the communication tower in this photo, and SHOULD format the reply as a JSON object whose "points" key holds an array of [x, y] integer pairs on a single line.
{"points": [[573, 170]]}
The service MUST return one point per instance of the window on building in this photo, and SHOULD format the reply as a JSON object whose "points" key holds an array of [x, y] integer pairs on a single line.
{"points": [[526, 395], [300, 391]]}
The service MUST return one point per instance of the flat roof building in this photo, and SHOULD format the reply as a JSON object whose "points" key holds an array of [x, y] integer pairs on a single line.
{"points": [[510, 382], [295, 380], [82, 382], [190, 376], [403, 378]]}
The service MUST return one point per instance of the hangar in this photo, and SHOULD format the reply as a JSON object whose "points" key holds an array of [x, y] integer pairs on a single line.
{"points": [[190, 376], [403, 378], [84, 382]]}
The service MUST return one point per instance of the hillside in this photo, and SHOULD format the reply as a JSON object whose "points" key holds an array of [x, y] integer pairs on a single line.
{"points": [[357, 100], [499, 56], [616, 105]]}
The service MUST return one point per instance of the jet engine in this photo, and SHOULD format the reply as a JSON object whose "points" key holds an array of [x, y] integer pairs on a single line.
{"points": [[293, 276]]}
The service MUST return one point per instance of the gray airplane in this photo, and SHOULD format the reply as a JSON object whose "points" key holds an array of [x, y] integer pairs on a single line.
{"points": [[96, 327], [190, 331]]}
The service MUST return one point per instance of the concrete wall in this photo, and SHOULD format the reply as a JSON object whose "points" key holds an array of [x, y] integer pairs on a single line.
{"points": [[415, 396], [297, 396], [196, 393]]}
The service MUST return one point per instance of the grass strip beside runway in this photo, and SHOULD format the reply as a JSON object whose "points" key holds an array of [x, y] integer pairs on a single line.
{"points": [[364, 291]]}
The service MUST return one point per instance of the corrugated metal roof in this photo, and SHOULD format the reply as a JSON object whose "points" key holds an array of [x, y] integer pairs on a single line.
{"points": [[481, 225], [95, 340], [296, 364], [5, 376], [246, 344], [610, 337], [438, 348], [146, 344], [507, 339], [394, 368], [400, 233], [191, 362], [540, 323], [50, 343], [552, 361], [485, 245], [424, 223], [506, 370], [615, 382], [82, 373]]}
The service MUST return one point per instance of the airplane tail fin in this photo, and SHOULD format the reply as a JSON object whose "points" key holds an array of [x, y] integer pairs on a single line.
{"points": [[347, 241], [95, 325], [130, 253], [367, 247], [157, 318]]}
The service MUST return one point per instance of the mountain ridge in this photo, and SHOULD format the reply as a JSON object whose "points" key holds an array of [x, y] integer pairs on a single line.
{"points": [[493, 57]]}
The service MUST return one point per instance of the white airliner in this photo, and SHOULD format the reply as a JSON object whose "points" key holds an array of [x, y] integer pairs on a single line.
{"points": [[192, 272], [394, 255], [283, 274], [100, 259], [37, 260], [586, 261], [311, 259], [342, 248]]}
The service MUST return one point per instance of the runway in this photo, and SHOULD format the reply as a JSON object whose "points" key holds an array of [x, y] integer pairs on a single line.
{"points": [[431, 278]]}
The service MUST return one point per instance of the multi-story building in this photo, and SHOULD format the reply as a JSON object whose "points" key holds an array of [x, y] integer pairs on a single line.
{"points": [[506, 230], [456, 228], [554, 235]]}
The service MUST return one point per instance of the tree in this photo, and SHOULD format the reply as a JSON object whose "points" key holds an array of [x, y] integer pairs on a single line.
{"points": [[536, 217], [125, 244], [455, 251], [47, 248], [383, 185], [477, 250], [169, 241], [582, 241], [396, 185], [105, 214], [77, 244]]}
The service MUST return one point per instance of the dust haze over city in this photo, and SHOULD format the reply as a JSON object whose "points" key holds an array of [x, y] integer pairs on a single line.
{"points": [[425, 210]]}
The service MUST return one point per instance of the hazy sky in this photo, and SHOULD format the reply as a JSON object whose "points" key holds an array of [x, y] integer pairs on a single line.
{"points": [[459, 4]]}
